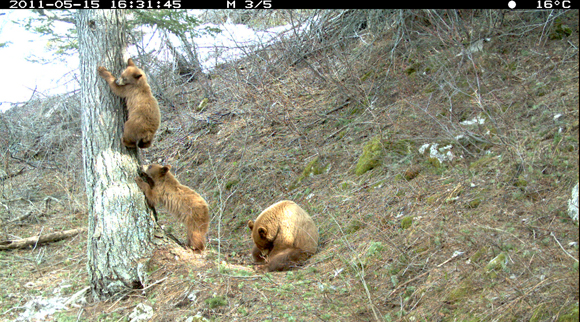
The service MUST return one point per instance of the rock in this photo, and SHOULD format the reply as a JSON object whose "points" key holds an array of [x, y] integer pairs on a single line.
{"points": [[573, 204]]}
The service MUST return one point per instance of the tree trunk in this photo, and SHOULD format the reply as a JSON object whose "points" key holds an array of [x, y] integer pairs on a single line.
{"points": [[120, 228]]}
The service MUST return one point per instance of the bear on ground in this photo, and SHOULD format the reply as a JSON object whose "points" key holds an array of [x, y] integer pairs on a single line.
{"points": [[184, 203], [284, 236], [144, 116]]}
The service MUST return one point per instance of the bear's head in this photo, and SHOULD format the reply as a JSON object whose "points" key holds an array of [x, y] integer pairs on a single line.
{"points": [[131, 75], [263, 241], [156, 172]]}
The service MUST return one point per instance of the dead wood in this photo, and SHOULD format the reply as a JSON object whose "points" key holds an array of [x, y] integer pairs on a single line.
{"points": [[48, 238]]}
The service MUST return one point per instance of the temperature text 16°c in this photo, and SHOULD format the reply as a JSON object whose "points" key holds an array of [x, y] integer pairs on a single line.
{"points": [[554, 4]]}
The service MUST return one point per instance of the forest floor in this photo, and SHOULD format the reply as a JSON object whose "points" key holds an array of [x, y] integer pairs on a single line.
{"points": [[474, 226]]}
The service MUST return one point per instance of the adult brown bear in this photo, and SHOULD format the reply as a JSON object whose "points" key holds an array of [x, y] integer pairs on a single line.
{"points": [[184, 203], [144, 116], [284, 236]]}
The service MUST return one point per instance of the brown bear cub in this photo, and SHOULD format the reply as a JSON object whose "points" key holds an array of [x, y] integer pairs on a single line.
{"points": [[144, 116], [184, 203], [284, 236]]}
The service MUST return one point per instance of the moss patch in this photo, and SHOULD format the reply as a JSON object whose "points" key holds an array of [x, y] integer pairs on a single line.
{"points": [[216, 301], [371, 156], [474, 203], [406, 222], [313, 168], [569, 314], [499, 262], [459, 293]]}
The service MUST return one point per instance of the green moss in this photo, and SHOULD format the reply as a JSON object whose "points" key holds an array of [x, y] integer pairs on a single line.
{"points": [[434, 162], [560, 31], [313, 168], [459, 293], [569, 314], [431, 200], [354, 226], [477, 256], [231, 184], [406, 222], [403, 147], [345, 185], [499, 262], [371, 156], [216, 301], [474, 203], [520, 182], [482, 162], [412, 69]]}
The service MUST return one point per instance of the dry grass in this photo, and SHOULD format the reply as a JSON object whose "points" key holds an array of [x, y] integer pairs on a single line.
{"points": [[483, 237]]}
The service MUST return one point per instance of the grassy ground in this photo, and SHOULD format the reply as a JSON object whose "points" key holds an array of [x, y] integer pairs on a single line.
{"points": [[475, 229]]}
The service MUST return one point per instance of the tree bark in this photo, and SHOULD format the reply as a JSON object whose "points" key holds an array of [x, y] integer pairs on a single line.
{"points": [[121, 225]]}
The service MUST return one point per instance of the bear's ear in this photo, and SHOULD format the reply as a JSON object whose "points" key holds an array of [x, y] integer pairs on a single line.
{"points": [[137, 75], [263, 232], [250, 225], [163, 171], [130, 62]]}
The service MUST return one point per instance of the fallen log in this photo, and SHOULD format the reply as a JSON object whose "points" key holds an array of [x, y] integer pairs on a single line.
{"points": [[47, 238]]}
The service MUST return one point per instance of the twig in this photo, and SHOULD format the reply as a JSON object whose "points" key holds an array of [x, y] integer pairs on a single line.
{"points": [[455, 254], [19, 218], [556, 239], [407, 282], [156, 282], [12, 175], [75, 296]]}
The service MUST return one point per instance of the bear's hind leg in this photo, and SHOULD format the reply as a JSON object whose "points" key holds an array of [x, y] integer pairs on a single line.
{"points": [[195, 238], [195, 241], [287, 259]]}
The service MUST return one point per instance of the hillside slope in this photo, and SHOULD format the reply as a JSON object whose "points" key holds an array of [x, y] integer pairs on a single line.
{"points": [[436, 157]]}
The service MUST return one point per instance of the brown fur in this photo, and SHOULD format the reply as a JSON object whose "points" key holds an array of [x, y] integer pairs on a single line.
{"points": [[144, 116], [284, 236], [184, 203]]}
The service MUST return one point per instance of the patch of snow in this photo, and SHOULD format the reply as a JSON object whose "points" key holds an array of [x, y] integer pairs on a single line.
{"points": [[476, 120], [442, 154], [40, 308]]}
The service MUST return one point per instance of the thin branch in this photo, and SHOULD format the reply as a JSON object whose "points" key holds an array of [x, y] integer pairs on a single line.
{"points": [[556, 239]]}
